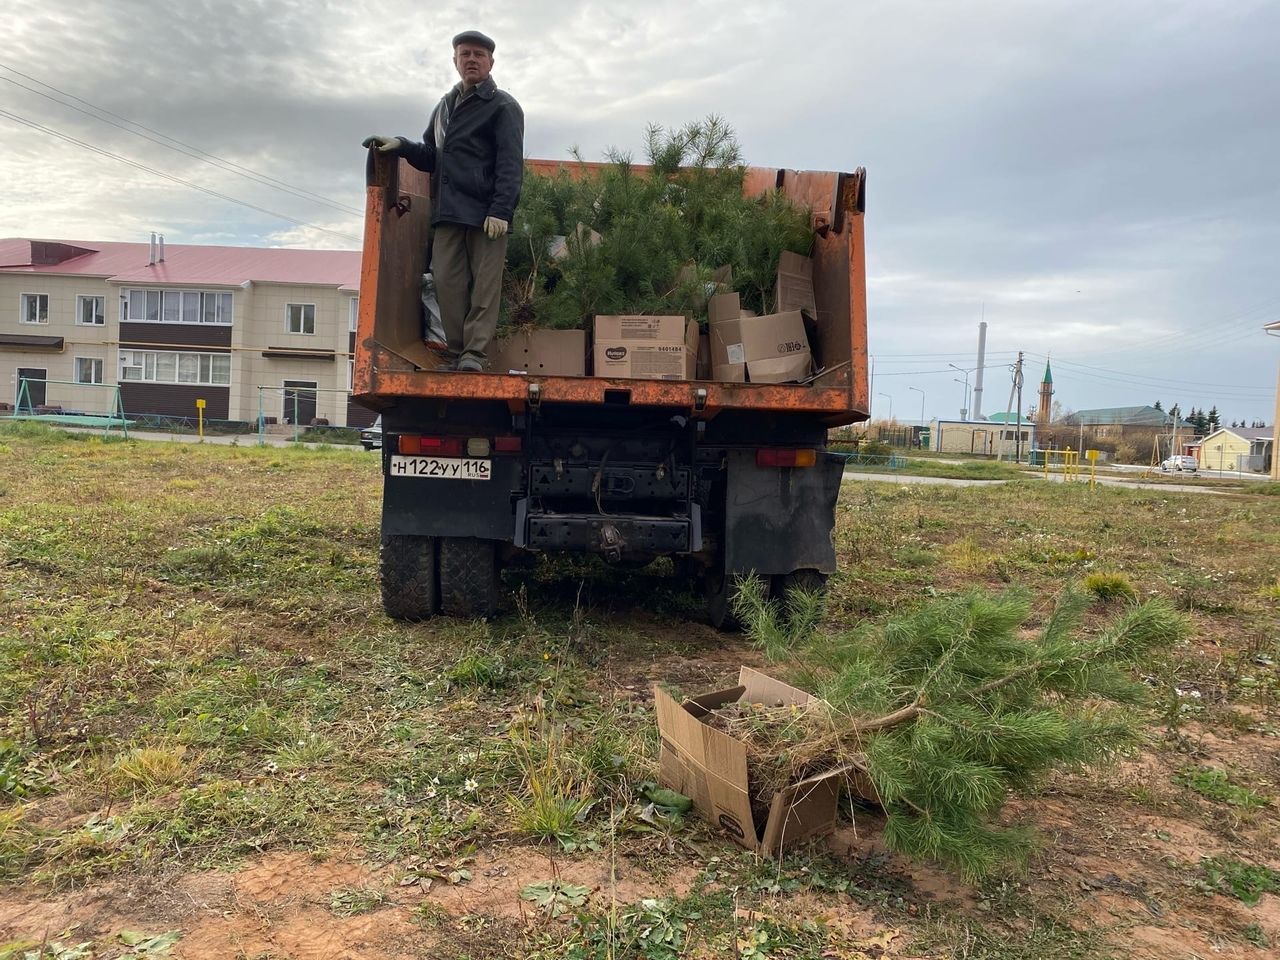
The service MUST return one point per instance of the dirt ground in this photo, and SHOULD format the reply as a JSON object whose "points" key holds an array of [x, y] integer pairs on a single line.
{"points": [[329, 769]]}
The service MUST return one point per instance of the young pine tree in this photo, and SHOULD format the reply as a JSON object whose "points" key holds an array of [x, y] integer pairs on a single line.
{"points": [[950, 709]]}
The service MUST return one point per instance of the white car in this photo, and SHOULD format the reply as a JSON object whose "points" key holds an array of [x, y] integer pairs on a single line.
{"points": [[1180, 464]]}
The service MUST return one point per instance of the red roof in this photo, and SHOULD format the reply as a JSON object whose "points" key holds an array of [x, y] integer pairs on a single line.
{"points": [[184, 264]]}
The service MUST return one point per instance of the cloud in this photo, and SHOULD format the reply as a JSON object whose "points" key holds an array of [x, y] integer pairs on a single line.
{"points": [[1094, 179]]}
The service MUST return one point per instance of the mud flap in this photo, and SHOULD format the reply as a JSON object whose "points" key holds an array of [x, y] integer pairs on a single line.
{"points": [[781, 519]]}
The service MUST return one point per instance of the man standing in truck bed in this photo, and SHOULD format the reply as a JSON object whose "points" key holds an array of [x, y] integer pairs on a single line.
{"points": [[473, 148]]}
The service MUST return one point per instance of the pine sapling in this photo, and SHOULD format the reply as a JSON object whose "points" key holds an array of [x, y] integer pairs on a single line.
{"points": [[949, 709]]}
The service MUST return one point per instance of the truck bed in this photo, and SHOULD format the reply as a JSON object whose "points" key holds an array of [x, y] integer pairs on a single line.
{"points": [[392, 362]]}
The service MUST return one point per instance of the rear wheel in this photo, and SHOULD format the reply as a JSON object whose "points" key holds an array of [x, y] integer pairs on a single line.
{"points": [[468, 577], [720, 589], [809, 581], [407, 573]]}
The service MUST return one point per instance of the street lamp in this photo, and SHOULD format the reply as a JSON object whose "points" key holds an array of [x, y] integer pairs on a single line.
{"points": [[921, 392], [964, 412], [890, 399]]}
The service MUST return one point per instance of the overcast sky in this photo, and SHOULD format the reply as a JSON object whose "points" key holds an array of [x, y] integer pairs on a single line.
{"points": [[1097, 179]]}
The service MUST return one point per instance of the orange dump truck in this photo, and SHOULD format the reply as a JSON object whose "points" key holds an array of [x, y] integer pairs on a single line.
{"points": [[724, 478]]}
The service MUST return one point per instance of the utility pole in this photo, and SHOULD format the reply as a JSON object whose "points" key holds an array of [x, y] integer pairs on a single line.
{"points": [[1017, 383]]}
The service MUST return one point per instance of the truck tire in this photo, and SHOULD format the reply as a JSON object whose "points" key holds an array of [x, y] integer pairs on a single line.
{"points": [[468, 577], [784, 583], [407, 573], [719, 590]]}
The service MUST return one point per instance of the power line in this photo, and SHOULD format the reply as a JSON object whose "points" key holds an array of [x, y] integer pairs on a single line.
{"points": [[175, 179], [1157, 381], [184, 148]]}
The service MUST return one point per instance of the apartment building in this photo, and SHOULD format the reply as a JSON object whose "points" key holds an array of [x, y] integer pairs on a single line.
{"points": [[247, 330]]}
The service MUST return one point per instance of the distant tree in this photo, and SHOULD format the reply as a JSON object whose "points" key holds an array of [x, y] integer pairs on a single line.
{"points": [[1201, 420], [1215, 420], [1159, 406]]}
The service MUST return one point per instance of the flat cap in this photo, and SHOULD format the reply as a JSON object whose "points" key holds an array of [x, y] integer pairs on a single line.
{"points": [[473, 36]]}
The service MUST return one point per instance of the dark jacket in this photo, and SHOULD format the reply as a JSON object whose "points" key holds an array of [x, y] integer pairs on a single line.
{"points": [[477, 171]]}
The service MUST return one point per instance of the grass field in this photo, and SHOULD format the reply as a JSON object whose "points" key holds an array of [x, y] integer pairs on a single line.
{"points": [[213, 744]]}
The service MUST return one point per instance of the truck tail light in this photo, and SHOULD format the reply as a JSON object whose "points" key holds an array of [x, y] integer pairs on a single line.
{"points": [[478, 447], [780, 457], [416, 446], [507, 445]]}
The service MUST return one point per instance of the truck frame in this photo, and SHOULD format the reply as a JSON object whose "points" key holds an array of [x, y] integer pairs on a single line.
{"points": [[727, 479]]}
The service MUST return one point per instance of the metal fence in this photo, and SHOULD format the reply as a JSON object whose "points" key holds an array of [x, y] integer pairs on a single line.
{"points": [[890, 462]]}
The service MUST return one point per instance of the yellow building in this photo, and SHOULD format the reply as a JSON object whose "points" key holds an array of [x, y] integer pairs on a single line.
{"points": [[244, 329], [1237, 448]]}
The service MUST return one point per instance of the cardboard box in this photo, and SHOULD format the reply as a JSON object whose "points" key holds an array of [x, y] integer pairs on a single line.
{"points": [[720, 281], [710, 767], [645, 348], [558, 247], [548, 353], [776, 347], [744, 347], [793, 289], [724, 339]]}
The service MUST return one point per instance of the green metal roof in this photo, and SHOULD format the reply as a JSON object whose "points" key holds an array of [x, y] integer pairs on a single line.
{"points": [[1145, 416], [1048, 374]]}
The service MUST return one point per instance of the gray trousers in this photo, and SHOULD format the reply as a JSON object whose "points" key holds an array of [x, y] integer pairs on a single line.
{"points": [[467, 268]]}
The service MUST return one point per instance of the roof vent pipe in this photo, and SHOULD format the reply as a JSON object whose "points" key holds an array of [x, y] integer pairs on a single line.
{"points": [[161, 258], [151, 253]]}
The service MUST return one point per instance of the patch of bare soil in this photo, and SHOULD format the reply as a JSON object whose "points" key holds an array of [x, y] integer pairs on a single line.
{"points": [[690, 670], [279, 906]]}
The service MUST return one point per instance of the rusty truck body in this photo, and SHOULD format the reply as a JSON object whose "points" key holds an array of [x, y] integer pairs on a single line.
{"points": [[724, 478]]}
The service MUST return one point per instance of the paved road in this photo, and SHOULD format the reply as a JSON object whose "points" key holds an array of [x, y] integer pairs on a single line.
{"points": [[1214, 474], [907, 478], [237, 440], [1106, 481]]}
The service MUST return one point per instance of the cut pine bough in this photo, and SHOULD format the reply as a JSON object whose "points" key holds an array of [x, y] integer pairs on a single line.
{"points": [[940, 715]]}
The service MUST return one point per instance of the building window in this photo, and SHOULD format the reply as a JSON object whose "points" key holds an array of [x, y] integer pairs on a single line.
{"points": [[177, 306], [91, 311], [162, 366], [300, 317], [88, 370], [355, 314], [35, 308], [351, 374]]}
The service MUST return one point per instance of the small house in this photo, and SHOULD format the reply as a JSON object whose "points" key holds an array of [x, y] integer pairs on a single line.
{"points": [[1237, 448]]}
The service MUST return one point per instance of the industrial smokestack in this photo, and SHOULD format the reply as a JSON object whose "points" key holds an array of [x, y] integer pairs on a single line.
{"points": [[161, 257], [151, 253], [976, 412]]}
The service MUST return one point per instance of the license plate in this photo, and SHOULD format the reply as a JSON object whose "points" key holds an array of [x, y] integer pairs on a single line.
{"points": [[441, 468]]}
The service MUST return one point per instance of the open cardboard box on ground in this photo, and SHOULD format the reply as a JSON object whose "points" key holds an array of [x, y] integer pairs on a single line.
{"points": [[645, 348], [548, 353], [710, 767]]}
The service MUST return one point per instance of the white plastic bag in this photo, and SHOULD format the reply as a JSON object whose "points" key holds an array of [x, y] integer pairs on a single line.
{"points": [[433, 326]]}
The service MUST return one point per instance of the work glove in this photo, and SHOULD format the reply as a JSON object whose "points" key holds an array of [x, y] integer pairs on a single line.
{"points": [[384, 144], [495, 228]]}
